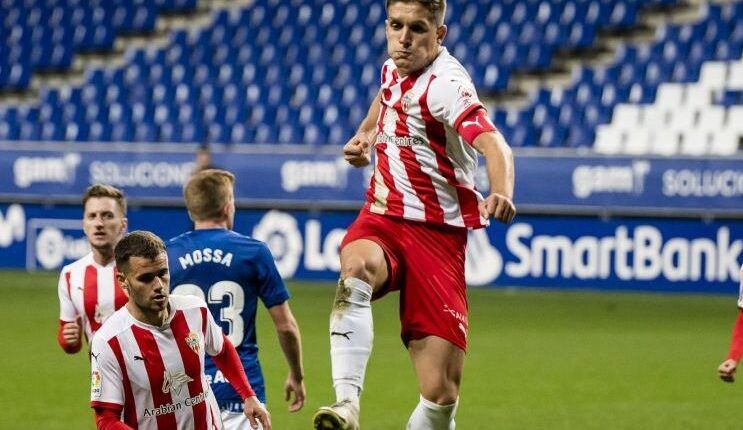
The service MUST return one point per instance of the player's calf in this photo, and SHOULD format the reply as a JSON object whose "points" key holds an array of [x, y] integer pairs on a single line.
{"points": [[429, 415], [351, 335]]}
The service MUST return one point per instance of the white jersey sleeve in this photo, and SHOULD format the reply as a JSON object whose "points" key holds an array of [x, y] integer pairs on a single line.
{"points": [[106, 380], [450, 99], [67, 310], [213, 338]]}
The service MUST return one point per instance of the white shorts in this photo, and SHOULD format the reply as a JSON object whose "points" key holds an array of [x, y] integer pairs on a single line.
{"points": [[236, 421]]}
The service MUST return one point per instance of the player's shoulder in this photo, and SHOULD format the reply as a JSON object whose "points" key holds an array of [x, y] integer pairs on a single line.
{"points": [[185, 302], [117, 323], [177, 239], [234, 237], [79, 264], [449, 70]]}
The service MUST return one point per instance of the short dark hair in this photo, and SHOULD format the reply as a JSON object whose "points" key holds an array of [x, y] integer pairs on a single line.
{"points": [[138, 243], [102, 190], [437, 8]]}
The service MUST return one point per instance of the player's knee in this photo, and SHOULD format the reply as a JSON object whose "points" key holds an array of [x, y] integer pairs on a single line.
{"points": [[441, 392], [356, 266]]}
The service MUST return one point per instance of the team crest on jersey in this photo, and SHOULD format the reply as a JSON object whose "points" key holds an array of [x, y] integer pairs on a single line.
{"points": [[192, 340], [95, 384], [406, 101]]}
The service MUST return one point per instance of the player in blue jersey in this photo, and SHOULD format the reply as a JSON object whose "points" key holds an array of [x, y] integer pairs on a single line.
{"points": [[231, 272]]}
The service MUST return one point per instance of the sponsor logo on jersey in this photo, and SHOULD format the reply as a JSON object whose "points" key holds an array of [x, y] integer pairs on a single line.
{"points": [[192, 340], [400, 140], [170, 408], [456, 314], [95, 384], [174, 381]]}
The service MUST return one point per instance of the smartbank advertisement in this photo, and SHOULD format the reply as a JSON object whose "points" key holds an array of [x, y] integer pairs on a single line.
{"points": [[552, 252], [678, 186]]}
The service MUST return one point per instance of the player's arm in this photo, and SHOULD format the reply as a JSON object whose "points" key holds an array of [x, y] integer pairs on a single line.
{"points": [[69, 334], [291, 345], [477, 130], [109, 419], [357, 150], [228, 362], [727, 369], [106, 387]]}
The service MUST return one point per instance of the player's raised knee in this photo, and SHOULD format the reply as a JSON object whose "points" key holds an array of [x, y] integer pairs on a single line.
{"points": [[362, 267]]}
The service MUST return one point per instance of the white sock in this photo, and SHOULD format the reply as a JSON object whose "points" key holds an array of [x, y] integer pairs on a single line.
{"points": [[351, 335], [431, 416]]}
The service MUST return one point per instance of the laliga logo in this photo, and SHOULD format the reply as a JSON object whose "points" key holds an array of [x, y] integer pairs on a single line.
{"points": [[483, 262], [280, 232], [288, 243], [52, 247]]}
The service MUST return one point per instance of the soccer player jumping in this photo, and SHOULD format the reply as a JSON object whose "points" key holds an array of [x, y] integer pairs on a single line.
{"points": [[427, 127]]}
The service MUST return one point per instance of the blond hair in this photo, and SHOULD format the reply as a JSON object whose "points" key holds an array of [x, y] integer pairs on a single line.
{"points": [[102, 190], [207, 192], [437, 8]]}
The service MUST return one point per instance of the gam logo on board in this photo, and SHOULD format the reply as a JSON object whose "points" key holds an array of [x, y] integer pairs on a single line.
{"points": [[28, 171]]}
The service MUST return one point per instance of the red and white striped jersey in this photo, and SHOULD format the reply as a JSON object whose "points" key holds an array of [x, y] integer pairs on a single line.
{"points": [[424, 170], [157, 373], [90, 292]]}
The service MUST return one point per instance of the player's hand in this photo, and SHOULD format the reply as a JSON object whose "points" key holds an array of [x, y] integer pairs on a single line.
{"points": [[71, 333], [296, 386], [357, 150], [499, 207], [726, 371], [256, 413]]}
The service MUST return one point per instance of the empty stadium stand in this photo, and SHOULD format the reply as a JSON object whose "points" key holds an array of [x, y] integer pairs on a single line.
{"points": [[296, 72]]}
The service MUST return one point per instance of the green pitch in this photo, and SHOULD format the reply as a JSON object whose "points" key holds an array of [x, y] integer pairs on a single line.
{"points": [[537, 360]]}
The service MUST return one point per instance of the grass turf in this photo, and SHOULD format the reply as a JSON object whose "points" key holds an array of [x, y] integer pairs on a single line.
{"points": [[537, 359]]}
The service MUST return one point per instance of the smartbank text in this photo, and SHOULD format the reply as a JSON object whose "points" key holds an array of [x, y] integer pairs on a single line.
{"points": [[640, 254]]}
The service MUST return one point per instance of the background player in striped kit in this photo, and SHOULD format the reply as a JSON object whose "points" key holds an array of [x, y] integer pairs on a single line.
{"points": [[726, 369], [88, 289], [427, 126], [234, 272], [147, 360]]}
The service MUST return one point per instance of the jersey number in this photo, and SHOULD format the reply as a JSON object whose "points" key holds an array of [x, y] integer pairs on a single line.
{"points": [[230, 313]]}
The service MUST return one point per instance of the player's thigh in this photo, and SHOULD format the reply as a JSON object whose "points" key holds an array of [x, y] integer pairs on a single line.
{"points": [[438, 365], [365, 259], [236, 421]]}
